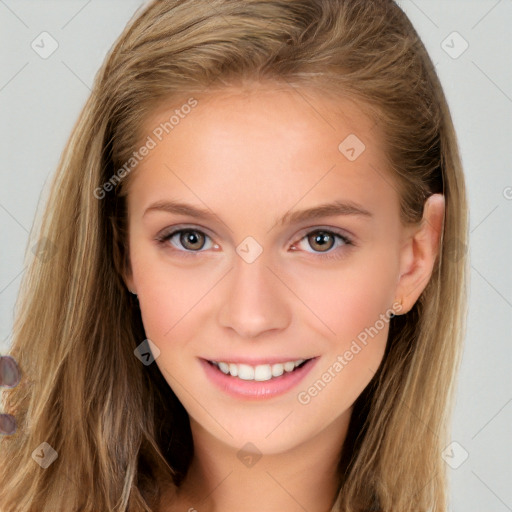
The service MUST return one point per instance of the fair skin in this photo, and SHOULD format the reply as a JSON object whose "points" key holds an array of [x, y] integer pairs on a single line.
{"points": [[250, 158]]}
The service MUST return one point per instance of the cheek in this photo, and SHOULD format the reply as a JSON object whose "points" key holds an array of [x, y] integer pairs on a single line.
{"points": [[354, 304], [349, 297], [170, 296], [346, 367]]}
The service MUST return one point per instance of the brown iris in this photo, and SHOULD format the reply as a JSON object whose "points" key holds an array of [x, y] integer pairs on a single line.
{"points": [[192, 240], [321, 239]]}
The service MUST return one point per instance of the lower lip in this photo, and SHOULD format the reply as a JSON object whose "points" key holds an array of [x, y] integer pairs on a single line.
{"points": [[252, 389]]}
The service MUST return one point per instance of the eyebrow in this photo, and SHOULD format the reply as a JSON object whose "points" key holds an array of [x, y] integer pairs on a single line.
{"points": [[335, 208]]}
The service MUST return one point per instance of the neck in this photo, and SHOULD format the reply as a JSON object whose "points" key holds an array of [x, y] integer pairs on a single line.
{"points": [[302, 478]]}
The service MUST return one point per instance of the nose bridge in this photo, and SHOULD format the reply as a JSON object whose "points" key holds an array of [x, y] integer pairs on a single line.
{"points": [[255, 298]]}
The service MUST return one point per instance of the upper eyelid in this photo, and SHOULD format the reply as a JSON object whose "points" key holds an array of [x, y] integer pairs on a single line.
{"points": [[167, 233]]}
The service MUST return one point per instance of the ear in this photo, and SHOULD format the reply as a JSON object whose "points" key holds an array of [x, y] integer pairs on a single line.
{"points": [[128, 280], [121, 257], [419, 252], [127, 275]]}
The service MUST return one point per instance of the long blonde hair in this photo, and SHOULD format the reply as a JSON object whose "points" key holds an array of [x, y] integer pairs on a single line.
{"points": [[118, 436]]}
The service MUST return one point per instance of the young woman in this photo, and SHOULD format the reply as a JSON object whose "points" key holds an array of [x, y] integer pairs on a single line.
{"points": [[248, 300]]}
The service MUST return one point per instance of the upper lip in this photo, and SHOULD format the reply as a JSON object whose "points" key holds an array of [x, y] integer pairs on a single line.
{"points": [[256, 361]]}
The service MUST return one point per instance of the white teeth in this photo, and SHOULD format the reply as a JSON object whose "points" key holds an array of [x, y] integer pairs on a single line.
{"points": [[224, 368], [260, 372], [289, 366], [263, 372], [245, 372], [233, 369], [277, 370]]}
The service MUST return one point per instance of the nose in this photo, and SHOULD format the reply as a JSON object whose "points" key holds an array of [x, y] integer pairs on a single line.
{"points": [[256, 299]]}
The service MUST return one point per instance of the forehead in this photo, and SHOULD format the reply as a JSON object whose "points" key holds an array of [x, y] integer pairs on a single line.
{"points": [[267, 107], [243, 144]]}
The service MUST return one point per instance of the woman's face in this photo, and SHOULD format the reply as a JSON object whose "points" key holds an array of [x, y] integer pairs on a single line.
{"points": [[241, 267]]}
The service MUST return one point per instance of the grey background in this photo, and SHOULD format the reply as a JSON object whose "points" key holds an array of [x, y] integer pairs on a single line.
{"points": [[40, 100]]}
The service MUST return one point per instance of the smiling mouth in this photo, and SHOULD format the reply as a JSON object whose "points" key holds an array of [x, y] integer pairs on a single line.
{"points": [[260, 372]]}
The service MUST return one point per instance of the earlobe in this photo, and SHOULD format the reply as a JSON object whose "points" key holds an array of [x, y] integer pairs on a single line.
{"points": [[420, 254]]}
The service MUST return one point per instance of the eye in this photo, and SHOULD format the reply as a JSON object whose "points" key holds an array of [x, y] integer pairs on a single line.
{"points": [[323, 241], [190, 240]]}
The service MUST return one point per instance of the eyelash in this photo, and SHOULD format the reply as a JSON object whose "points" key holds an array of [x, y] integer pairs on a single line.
{"points": [[164, 238]]}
